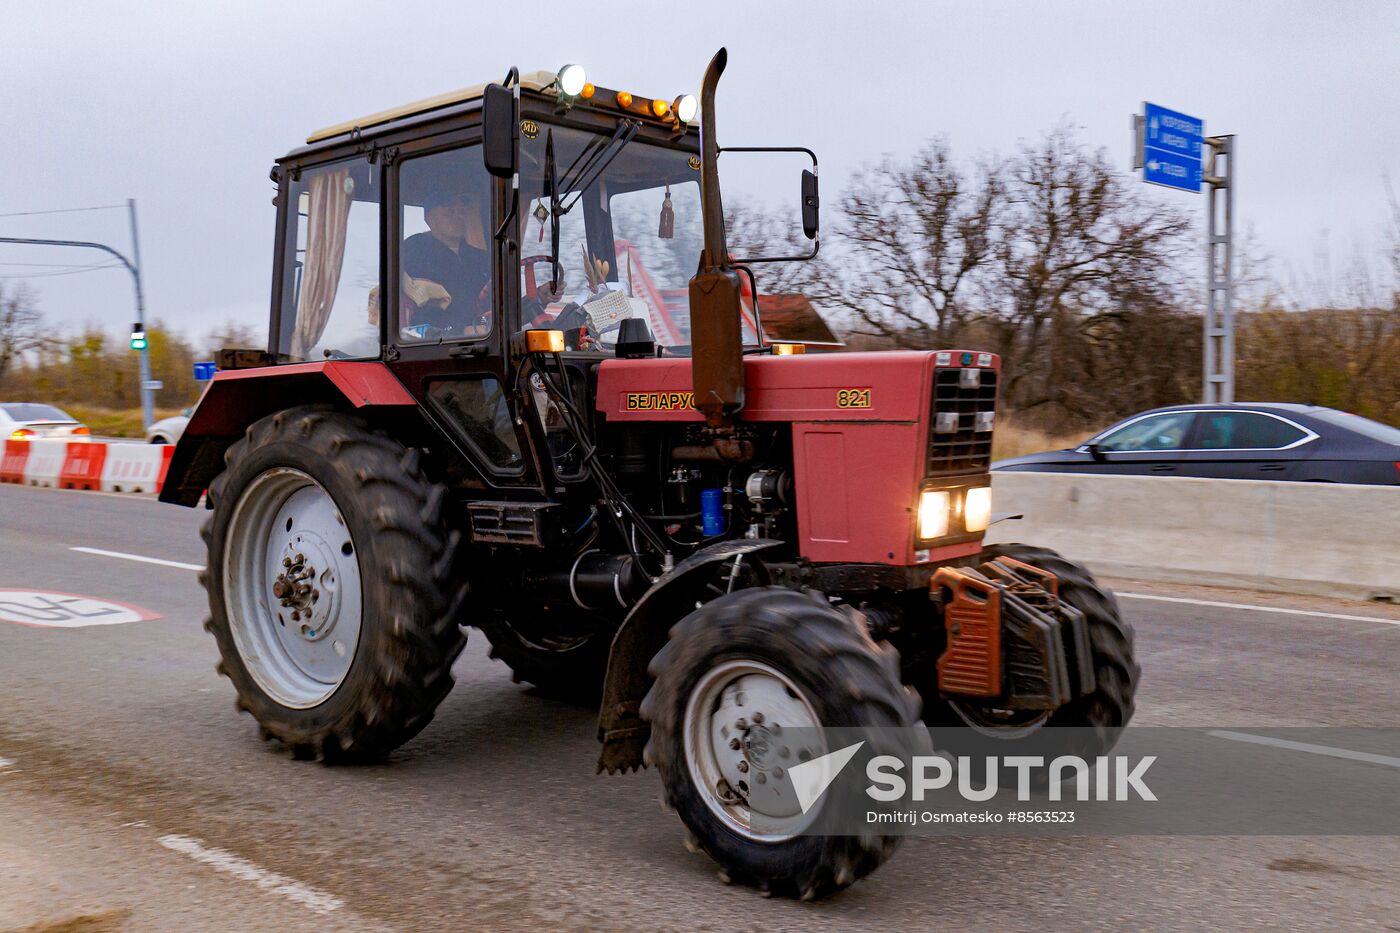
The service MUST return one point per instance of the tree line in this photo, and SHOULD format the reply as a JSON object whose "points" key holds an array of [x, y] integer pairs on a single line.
{"points": [[96, 369]]}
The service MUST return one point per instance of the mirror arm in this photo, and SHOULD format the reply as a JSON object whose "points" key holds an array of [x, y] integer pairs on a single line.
{"points": [[816, 237]]}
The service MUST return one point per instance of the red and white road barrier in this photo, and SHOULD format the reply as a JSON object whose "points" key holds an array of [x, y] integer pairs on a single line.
{"points": [[137, 468]]}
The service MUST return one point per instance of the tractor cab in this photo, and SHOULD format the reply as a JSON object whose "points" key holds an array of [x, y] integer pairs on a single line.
{"points": [[397, 243]]}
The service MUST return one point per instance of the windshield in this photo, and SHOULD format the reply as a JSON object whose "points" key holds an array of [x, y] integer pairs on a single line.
{"points": [[28, 411], [629, 241]]}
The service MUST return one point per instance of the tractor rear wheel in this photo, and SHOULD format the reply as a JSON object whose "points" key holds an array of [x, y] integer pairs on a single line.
{"points": [[330, 586], [1089, 725], [757, 661]]}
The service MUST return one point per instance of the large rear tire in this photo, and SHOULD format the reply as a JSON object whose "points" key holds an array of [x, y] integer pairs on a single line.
{"points": [[1089, 725], [805, 664], [331, 594]]}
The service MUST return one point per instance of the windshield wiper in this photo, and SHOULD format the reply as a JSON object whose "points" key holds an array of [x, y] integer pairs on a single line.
{"points": [[588, 173]]}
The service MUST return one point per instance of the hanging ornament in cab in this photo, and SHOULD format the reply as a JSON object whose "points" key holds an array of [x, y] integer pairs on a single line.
{"points": [[541, 214], [666, 230]]}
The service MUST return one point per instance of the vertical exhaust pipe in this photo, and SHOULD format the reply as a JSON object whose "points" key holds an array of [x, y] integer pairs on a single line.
{"points": [[716, 332]]}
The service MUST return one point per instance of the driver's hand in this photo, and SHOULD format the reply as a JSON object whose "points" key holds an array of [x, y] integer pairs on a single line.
{"points": [[425, 291]]}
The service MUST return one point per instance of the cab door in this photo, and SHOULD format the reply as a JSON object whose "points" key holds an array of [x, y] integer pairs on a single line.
{"points": [[447, 337]]}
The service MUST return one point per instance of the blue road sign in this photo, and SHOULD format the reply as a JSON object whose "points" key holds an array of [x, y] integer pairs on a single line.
{"points": [[1171, 148], [205, 371]]}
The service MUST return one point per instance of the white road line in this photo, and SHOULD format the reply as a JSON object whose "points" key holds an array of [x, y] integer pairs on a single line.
{"points": [[137, 557], [227, 862], [1290, 612], [1311, 749]]}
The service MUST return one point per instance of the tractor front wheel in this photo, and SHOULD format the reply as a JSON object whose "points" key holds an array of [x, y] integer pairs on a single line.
{"points": [[740, 691]]}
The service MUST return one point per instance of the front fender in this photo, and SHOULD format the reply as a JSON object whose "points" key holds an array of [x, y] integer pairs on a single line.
{"points": [[620, 726], [236, 398]]}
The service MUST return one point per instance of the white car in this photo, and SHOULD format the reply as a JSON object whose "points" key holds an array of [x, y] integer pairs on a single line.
{"points": [[27, 420], [168, 430]]}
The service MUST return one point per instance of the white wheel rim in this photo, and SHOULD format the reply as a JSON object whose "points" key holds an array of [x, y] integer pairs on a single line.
{"points": [[291, 580], [775, 728]]}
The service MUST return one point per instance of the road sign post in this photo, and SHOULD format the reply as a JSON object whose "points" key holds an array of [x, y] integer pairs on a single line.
{"points": [[1172, 150], [1219, 349]]}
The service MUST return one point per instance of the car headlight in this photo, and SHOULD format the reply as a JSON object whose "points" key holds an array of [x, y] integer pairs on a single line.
{"points": [[933, 513], [977, 508]]}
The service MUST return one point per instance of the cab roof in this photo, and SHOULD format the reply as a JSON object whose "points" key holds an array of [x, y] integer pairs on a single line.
{"points": [[534, 81]]}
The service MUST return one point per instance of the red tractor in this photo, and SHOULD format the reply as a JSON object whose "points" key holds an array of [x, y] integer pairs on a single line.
{"points": [[498, 395]]}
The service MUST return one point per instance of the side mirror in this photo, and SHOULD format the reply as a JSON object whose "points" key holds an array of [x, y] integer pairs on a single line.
{"points": [[1096, 452], [498, 130], [810, 203]]}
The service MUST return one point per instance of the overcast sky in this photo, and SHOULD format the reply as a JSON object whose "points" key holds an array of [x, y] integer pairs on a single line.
{"points": [[184, 106]]}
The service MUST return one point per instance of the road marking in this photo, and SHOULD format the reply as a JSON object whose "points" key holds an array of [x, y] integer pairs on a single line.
{"points": [[45, 609], [244, 870], [137, 557], [1311, 749], [1291, 612]]}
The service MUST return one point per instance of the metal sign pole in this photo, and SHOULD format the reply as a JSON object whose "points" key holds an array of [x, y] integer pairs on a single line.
{"points": [[1219, 346]]}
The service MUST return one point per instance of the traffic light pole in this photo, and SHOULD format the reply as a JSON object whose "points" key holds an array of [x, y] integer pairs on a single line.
{"points": [[148, 414], [147, 393]]}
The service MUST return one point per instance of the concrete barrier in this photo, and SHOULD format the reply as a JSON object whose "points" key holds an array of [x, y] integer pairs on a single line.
{"points": [[1319, 538]]}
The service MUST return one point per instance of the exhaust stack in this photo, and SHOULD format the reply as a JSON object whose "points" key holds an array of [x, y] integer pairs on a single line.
{"points": [[716, 333]]}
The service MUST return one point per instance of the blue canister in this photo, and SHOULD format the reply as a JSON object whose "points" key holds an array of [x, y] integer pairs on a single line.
{"points": [[712, 519]]}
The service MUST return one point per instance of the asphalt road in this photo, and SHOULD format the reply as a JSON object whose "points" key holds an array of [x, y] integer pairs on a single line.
{"points": [[133, 795]]}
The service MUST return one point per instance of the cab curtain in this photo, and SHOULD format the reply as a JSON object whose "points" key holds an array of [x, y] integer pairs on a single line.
{"points": [[328, 214]]}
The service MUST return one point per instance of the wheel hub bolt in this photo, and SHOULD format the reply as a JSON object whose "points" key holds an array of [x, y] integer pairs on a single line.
{"points": [[734, 743], [743, 767], [778, 773], [758, 718], [761, 778], [741, 724]]}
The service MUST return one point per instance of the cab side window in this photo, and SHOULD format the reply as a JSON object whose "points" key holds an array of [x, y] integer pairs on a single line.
{"points": [[444, 255], [330, 276], [1166, 431]]}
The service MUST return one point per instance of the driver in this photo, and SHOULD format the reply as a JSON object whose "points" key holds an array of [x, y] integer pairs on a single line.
{"points": [[448, 265]]}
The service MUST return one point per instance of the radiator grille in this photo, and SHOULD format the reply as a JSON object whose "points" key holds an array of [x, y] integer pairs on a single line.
{"points": [[964, 450]]}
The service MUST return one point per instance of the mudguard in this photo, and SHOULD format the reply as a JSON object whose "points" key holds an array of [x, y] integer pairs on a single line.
{"points": [[234, 399], [620, 726]]}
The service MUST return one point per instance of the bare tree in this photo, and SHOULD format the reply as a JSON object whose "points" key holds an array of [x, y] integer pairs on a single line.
{"points": [[1075, 242], [21, 326], [910, 238]]}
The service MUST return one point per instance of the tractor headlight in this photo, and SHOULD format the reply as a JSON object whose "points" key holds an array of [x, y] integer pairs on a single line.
{"points": [[933, 513], [977, 508], [571, 80], [685, 107]]}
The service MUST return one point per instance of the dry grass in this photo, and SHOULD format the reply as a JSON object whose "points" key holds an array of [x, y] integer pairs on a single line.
{"points": [[121, 422], [1013, 440]]}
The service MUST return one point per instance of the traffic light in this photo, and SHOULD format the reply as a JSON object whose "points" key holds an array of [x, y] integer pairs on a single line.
{"points": [[138, 337]]}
